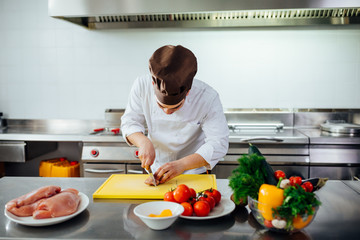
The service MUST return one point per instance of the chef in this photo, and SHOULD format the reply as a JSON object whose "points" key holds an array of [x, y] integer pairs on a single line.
{"points": [[187, 132]]}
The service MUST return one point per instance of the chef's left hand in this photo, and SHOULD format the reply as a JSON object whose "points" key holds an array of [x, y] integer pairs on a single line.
{"points": [[169, 171], [149, 181]]}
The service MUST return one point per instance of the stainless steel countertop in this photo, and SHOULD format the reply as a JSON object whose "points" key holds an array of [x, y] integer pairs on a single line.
{"points": [[79, 131], [316, 136], [23, 135], [337, 218], [287, 135]]}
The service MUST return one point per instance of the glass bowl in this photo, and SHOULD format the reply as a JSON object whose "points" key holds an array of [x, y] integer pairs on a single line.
{"points": [[292, 225]]}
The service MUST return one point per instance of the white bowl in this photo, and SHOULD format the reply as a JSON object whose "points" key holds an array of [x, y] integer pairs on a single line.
{"points": [[158, 223]]}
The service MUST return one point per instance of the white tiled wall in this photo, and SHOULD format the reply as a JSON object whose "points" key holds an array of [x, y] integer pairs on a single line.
{"points": [[52, 69]]}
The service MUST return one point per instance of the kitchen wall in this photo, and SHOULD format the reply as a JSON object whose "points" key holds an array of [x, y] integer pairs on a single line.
{"points": [[52, 69]]}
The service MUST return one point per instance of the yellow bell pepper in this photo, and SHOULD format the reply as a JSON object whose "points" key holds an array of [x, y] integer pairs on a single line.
{"points": [[269, 197]]}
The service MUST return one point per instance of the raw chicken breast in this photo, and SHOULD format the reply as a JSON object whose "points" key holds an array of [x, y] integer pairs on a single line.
{"points": [[25, 205], [24, 211], [64, 203]]}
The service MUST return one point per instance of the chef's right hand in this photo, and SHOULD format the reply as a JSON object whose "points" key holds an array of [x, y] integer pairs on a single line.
{"points": [[146, 153]]}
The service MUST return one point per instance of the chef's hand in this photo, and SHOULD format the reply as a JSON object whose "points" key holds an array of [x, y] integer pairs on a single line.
{"points": [[149, 181], [172, 169], [169, 171], [146, 148], [146, 154]]}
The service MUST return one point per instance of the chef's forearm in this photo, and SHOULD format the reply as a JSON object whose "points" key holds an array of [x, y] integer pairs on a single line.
{"points": [[137, 139], [193, 161]]}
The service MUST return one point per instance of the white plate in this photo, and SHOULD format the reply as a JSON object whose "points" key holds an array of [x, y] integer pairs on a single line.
{"points": [[225, 207], [30, 221]]}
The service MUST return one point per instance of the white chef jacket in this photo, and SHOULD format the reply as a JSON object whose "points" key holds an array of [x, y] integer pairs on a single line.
{"points": [[199, 126]]}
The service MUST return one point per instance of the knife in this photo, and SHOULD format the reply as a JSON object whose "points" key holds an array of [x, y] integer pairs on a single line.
{"points": [[151, 175]]}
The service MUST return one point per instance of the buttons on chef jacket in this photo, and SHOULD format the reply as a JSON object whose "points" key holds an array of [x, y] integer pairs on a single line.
{"points": [[94, 152]]}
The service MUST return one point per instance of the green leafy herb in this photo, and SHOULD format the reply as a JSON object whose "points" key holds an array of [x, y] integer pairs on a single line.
{"points": [[247, 178], [296, 202], [270, 177]]}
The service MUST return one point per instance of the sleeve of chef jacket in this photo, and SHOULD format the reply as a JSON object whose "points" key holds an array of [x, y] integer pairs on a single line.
{"points": [[216, 133], [133, 119]]}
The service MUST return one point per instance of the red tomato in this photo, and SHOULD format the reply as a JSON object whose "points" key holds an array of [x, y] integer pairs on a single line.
{"points": [[193, 192], [309, 187], [188, 209], [208, 199], [192, 200], [268, 223], [279, 174], [201, 208], [294, 181], [304, 188], [169, 196], [215, 194], [182, 193]]}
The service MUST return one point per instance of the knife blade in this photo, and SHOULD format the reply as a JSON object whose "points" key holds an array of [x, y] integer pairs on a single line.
{"points": [[151, 175]]}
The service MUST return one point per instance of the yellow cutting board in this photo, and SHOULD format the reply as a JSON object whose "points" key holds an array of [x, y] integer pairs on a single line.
{"points": [[132, 186]]}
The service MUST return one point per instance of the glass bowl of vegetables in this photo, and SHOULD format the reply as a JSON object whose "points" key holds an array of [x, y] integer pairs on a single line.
{"points": [[287, 211]]}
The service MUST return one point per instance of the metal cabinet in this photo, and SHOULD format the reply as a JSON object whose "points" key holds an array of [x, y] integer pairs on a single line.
{"points": [[12, 151], [134, 168], [292, 165], [334, 161], [103, 170]]}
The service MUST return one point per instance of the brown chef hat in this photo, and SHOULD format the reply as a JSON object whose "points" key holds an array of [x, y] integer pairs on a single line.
{"points": [[173, 69]]}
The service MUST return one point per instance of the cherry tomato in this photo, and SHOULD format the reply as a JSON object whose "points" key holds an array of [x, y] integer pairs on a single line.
{"points": [[201, 208], [192, 200], [279, 174], [188, 209], [268, 223], [169, 196], [182, 193], [193, 192], [308, 185], [304, 188], [294, 181], [208, 199], [215, 194]]}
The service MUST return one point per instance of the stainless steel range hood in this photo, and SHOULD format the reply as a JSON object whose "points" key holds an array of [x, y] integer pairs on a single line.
{"points": [[113, 14]]}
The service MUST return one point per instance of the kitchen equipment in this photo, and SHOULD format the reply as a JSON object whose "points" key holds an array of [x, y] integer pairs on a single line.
{"points": [[112, 123], [158, 223], [334, 143], [203, 13], [106, 131], [132, 186], [106, 156], [113, 117], [12, 151], [2, 122], [102, 159], [340, 127], [151, 175], [284, 147]]}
